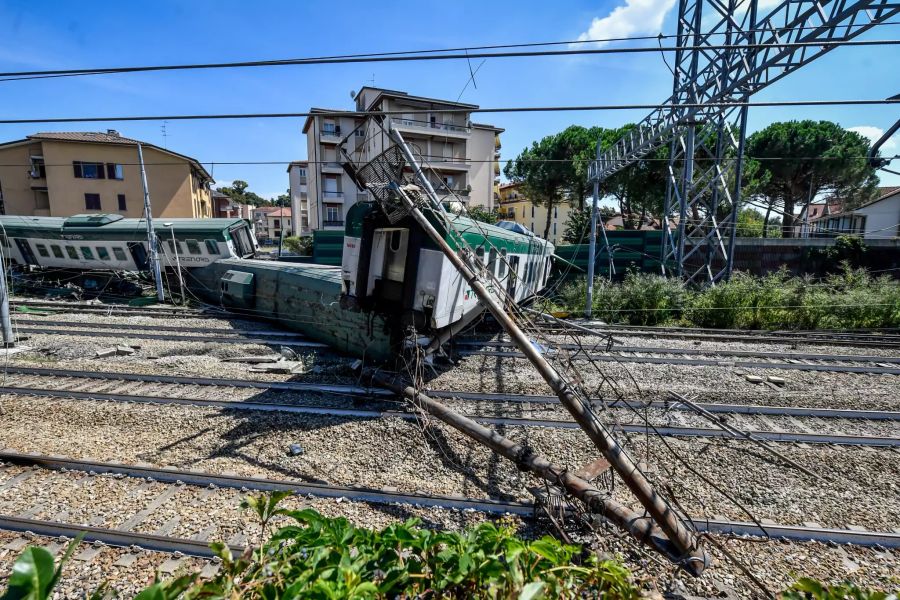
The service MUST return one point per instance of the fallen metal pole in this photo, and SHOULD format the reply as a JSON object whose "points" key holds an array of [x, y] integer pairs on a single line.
{"points": [[747, 436], [152, 240], [639, 526], [694, 558]]}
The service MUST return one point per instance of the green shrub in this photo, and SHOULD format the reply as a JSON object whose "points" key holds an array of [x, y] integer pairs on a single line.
{"points": [[320, 557], [810, 589], [849, 299], [298, 245]]}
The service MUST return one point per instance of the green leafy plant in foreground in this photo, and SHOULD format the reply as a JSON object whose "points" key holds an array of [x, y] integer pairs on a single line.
{"points": [[810, 589]]}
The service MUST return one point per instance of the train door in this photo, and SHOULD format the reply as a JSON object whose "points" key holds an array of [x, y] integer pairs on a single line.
{"points": [[139, 255], [390, 246], [26, 252], [511, 281]]}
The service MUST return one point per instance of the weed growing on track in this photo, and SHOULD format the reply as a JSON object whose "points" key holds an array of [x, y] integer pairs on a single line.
{"points": [[850, 299]]}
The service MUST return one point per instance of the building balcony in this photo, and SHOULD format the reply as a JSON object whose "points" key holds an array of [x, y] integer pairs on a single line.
{"points": [[331, 167], [333, 197], [334, 224], [330, 136], [432, 128]]}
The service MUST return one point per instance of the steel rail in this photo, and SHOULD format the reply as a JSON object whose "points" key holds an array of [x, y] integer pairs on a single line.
{"points": [[703, 362], [109, 537], [365, 392], [352, 413], [265, 484], [233, 339], [740, 336], [127, 539], [695, 352], [131, 326], [885, 539]]}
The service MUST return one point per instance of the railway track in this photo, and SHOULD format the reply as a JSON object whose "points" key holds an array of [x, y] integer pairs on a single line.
{"points": [[861, 338], [362, 392], [126, 536], [820, 436], [869, 338], [843, 363]]}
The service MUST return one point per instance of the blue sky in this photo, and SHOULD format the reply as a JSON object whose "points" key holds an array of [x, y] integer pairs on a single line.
{"points": [[55, 34]]}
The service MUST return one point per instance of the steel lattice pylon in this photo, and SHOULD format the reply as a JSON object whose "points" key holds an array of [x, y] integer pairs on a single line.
{"points": [[707, 141]]}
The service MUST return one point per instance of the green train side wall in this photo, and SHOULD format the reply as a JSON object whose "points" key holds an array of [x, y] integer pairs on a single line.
{"points": [[640, 250]]}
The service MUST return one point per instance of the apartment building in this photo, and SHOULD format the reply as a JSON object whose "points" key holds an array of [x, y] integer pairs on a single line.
{"points": [[462, 157], [276, 221], [298, 192], [61, 174], [514, 205], [226, 208]]}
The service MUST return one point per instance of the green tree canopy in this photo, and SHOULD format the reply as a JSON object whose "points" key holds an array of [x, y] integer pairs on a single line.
{"points": [[239, 193], [795, 161]]}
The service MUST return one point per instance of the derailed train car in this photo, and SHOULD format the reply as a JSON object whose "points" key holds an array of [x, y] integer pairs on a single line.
{"points": [[111, 242], [394, 286]]}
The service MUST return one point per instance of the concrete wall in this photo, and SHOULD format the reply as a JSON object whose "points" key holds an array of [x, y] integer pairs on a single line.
{"points": [[174, 190]]}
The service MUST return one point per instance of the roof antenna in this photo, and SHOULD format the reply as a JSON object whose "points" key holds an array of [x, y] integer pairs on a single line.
{"points": [[164, 134]]}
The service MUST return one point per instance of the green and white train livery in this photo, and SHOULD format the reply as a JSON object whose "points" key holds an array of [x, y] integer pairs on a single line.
{"points": [[396, 269], [109, 241]]}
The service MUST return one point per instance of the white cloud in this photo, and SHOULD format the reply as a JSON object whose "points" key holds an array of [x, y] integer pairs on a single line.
{"points": [[874, 134], [636, 17]]}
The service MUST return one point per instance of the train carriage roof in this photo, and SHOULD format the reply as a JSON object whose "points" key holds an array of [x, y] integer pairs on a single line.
{"points": [[113, 225]]}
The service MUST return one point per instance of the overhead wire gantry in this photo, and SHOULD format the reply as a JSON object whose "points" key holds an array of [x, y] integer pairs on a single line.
{"points": [[704, 133]]}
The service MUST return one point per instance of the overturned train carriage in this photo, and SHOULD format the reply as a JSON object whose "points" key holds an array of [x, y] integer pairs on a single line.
{"points": [[111, 242], [396, 270]]}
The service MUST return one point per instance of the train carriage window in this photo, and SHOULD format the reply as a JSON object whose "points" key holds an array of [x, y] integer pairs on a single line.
{"points": [[502, 271], [479, 254], [175, 246], [73, 254], [87, 253], [193, 247], [212, 246], [4, 240], [57, 251], [492, 261], [119, 253], [42, 250], [102, 253]]}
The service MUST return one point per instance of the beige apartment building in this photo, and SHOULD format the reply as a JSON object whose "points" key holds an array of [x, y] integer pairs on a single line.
{"points": [[462, 157], [68, 173], [515, 206], [297, 173]]}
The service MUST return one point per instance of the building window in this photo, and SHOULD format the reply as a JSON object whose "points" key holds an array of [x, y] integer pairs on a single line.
{"points": [[532, 211], [88, 170], [42, 250], [102, 253], [72, 252], [193, 247], [92, 201], [87, 253], [332, 214], [119, 253], [276, 223], [114, 171], [301, 172], [123, 205], [38, 168], [57, 251]]}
